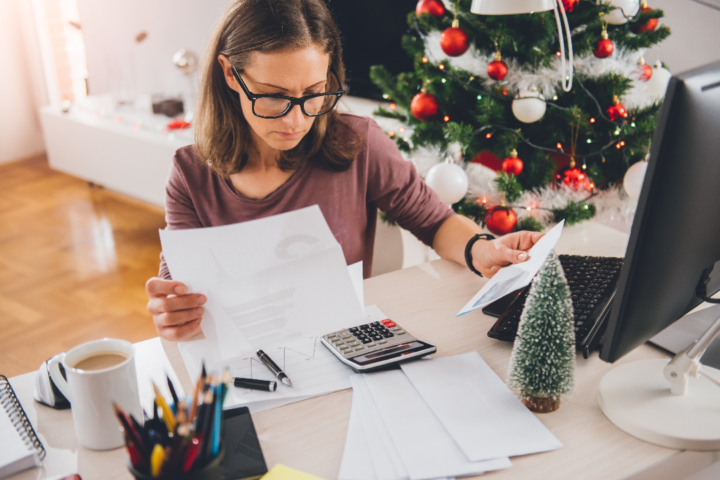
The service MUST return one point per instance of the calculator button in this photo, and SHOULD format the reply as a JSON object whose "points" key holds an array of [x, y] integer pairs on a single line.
{"points": [[401, 332], [377, 337], [396, 329], [353, 330], [386, 321], [366, 341], [354, 343], [345, 348], [391, 324], [371, 345], [376, 324], [365, 327], [381, 342], [388, 335], [357, 349], [345, 335]]}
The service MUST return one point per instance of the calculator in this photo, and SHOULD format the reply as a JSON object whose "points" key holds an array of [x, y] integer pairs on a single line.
{"points": [[375, 346]]}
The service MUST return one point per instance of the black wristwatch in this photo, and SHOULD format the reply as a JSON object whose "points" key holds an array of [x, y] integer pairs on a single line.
{"points": [[468, 250]]}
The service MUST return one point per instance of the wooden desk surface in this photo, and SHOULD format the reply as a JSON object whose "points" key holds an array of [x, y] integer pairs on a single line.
{"points": [[310, 435]]}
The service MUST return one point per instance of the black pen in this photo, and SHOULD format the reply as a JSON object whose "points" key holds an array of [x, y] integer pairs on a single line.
{"points": [[274, 368], [252, 383]]}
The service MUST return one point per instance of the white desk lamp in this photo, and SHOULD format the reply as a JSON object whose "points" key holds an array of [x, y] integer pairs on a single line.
{"points": [[515, 7], [675, 404]]}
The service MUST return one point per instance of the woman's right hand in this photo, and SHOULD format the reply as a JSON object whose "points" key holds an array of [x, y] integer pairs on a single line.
{"points": [[176, 315]]}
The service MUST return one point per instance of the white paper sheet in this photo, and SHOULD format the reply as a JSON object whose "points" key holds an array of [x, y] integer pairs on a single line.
{"points": [[267, 281], [516, 276], [480, 412], [312, 368], [423, 444], [355, 464]]}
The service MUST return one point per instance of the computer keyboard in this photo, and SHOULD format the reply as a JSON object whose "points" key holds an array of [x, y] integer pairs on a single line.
{"points": [[592, 282]]}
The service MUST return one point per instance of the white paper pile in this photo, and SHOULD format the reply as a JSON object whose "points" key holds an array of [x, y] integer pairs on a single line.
{"points": [[437, 418]]}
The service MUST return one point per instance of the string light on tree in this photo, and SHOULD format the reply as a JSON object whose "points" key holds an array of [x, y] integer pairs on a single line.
{"points": [[436, 8], [528, 106]]}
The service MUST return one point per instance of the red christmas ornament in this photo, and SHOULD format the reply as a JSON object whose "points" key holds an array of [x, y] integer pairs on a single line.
{"points": [[424, 106], [431, 7], [604, 47], [574, 177], [616, 110], [512, 164], [651, 24], [569, 4], [501, 220], [178, 124], [497, 70], [645, 71], [454, 41]]}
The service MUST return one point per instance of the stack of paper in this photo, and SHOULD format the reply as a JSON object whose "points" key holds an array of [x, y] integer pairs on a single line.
{"points": [[437, 418]]}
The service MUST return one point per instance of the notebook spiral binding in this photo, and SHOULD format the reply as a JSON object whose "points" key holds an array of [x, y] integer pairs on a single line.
{"points": [[18, 418]]}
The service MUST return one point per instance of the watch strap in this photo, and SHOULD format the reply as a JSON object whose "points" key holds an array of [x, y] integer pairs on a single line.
{"points": [[468, 250]]}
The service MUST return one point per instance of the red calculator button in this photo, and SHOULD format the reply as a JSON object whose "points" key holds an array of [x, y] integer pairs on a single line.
{"points": [[391, 324], [386, 321]]}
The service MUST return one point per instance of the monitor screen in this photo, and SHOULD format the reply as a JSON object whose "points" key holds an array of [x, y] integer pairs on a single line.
{"points": [[676, 231]]}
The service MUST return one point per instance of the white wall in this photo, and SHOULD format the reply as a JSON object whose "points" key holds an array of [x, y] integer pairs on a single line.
{"points": [[118, 64], [695, 35], [20, 134]]}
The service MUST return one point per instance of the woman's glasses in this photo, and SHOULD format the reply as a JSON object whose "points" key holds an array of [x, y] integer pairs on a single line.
{"points": [[275, 106]]}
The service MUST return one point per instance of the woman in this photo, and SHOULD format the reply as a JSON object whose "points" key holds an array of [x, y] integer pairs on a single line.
{"points": [[268, 140]]}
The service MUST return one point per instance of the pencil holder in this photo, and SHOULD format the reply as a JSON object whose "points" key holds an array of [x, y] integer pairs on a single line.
{"points": [[211, 471]]}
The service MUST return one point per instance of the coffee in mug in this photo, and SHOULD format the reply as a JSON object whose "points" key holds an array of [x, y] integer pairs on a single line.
{"points": [[99, 374], [100, 361]]}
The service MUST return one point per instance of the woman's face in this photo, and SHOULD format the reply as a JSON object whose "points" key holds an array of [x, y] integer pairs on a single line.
{"points": [[292, 73]]}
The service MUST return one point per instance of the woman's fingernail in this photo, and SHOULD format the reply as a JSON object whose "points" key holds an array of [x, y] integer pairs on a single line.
{"points": [[199, 311], [201, 299], [179, 290], [522, 256]]}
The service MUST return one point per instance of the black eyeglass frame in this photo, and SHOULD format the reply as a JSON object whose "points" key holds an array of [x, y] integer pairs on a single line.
{"points": [[293, 100]]}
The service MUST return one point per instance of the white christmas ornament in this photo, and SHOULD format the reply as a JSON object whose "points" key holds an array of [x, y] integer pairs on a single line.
{"points": [[629, 7], [633, 180], [529, 106], [657, 85], [449, 181]]}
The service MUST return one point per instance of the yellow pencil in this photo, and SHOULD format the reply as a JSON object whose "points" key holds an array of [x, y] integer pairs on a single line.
{"points": [[168, 416], [156, 460]]}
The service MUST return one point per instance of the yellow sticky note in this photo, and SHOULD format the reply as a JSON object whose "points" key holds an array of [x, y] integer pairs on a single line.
{"points": [[281, 472]]}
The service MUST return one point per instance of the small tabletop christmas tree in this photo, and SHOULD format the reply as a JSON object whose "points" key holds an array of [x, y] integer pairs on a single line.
{"points": [[543, 357]]}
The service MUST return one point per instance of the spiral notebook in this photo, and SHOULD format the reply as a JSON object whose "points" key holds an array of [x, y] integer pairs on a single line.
{"points": [[20, 448]]}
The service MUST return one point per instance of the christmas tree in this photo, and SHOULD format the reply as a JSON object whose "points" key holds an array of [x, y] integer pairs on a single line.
{"points": [[487, 93], [543, 356]]}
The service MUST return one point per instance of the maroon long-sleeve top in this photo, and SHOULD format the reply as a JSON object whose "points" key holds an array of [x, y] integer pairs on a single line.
{"points": [[379, 178]]}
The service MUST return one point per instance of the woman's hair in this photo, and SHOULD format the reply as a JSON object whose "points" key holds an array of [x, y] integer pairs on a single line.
{"points": [[222, 135]]}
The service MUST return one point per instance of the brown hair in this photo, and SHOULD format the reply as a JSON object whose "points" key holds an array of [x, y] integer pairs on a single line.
{"points": [[222, 135]]}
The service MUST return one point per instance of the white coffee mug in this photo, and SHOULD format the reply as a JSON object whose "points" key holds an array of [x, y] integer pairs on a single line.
{"points": [[92, 392]]}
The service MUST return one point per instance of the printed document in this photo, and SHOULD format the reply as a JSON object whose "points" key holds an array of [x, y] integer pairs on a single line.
{"points": [[514, 277]]}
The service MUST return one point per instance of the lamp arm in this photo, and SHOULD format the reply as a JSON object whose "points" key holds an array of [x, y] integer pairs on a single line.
{"points": [[566, 66], [687, 363]]}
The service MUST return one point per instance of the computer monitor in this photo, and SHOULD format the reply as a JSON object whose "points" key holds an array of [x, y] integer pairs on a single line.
{"points": [[676, 231], [675, 236]]}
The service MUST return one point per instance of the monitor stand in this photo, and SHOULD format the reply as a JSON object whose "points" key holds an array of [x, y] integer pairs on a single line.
{"points": [[673, 403]]}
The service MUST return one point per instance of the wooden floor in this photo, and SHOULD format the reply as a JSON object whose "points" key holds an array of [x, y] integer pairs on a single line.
{"points": [[73, 263]]}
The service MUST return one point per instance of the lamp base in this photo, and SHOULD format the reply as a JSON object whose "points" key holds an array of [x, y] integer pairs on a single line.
{"points": [[637, 399]]}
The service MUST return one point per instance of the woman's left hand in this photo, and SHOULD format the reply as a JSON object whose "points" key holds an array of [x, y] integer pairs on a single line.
{"points": [[489, 256]]}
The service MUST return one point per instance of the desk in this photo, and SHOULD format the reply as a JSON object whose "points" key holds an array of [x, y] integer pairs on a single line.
{"points": [[310, 435]]}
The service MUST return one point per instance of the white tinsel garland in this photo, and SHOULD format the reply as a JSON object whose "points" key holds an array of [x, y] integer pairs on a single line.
{"points": [[547, 79]]}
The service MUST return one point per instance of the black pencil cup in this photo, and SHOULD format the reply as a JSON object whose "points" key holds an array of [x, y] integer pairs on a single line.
{"points": [[211, 471]]}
